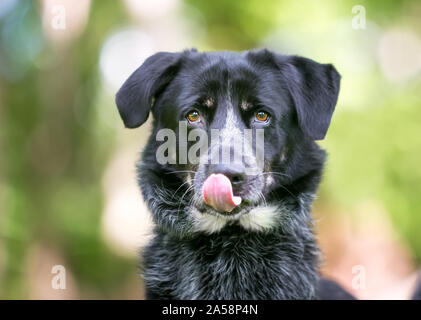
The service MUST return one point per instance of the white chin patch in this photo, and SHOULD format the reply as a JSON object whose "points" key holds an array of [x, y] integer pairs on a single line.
{"points": [[207, 223], [257, 220], [260, 218]]}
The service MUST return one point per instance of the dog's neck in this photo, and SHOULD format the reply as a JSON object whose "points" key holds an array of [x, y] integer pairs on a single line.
{"points": [[235, 263], [278, 264]]}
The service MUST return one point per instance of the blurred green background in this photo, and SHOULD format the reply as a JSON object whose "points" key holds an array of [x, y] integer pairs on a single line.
{"points": [[67, 181]]}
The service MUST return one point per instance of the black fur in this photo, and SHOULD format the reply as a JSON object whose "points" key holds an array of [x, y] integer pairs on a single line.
{"points": [[330, 290], [280, 262], [417, 292]]}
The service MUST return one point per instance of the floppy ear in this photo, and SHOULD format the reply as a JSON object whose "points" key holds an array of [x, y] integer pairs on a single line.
{"points": [[134, 99], [314, 88]]}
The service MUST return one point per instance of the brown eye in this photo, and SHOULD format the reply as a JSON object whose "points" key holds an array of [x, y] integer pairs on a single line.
{"points": [[193, 116], [262, 116]]}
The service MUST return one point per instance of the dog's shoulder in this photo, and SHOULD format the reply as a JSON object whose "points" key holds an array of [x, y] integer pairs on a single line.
{"points": [[330, 290]]}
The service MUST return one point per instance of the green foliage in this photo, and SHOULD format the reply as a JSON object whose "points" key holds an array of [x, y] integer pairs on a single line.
{"points": [[374, 155]]}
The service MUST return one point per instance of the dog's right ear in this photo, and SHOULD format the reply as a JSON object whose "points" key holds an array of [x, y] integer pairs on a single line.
{"points": [[134, 99]]}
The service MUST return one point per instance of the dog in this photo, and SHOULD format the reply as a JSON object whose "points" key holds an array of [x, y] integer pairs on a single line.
{"points": [[242, 228]]}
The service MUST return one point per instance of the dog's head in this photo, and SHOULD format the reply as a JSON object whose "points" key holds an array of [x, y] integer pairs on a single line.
{"points": [[232, 131]]}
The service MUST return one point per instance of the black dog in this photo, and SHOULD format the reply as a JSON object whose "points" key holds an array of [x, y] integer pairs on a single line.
{"points": [[208, 245]]}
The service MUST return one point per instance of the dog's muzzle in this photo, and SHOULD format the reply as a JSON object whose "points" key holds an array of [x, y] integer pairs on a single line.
{"points": [[217, 192]]}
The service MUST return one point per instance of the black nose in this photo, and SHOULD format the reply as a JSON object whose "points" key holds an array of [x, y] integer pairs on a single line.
{"points": [[235, 172]]}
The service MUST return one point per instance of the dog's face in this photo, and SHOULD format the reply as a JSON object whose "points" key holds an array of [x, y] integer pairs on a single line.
{"points": [[241, 122]]}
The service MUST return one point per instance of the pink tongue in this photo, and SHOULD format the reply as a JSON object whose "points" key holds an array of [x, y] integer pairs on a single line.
{"points": [[217, 193]]}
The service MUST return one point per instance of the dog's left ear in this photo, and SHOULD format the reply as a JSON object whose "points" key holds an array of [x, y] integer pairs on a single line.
{"points": [[314, 88], [134, 99]]}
